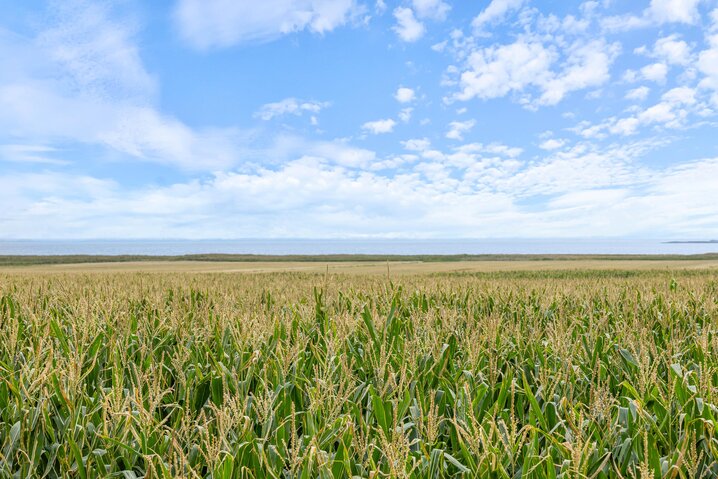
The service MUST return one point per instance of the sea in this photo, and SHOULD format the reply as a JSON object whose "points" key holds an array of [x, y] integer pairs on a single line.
{"points": [[354, 246]]}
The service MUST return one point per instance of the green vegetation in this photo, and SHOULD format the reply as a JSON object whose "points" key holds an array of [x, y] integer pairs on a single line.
{"points": [[562, 375], [22, 260]]}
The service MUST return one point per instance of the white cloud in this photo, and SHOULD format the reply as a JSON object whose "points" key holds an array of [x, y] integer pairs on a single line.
{"points": [[458, 128], [222, 23], [625, 126], [378, 127], [404, 95], [494, 71], [497, 70], [407, 27], [405, 114], [96, 52], [680, 95], [289, 106], [586, 66], [708, 63], [658, 12], [440, 47], [658, 113], [673, 50], [146, 134], [338, 152], [581, 167], [631, 76], [37, 112], [86, 85], [39, 154], [671, 112], [416, 144], [597, 192], [552, 144], [262, 202], [655, 72], [435, 9], [680, 11], [495, 11], [639, 94]]}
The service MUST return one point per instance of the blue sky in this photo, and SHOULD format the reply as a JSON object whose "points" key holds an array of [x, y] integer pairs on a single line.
{"points": [[349, 118]]}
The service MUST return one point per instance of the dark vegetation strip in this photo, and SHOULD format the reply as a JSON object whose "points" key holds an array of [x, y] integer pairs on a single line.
{"points": [[26, 260]]}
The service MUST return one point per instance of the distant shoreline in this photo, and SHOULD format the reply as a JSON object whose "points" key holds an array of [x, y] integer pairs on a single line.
{"points": [[365, 248], [27, 260], [692, 242]]}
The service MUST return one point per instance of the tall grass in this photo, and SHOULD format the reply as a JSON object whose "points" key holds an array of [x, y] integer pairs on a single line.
{"points": [[569, 375]]}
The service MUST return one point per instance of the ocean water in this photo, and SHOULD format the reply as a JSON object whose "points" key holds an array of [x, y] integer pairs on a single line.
{"points": [[353, 246]]}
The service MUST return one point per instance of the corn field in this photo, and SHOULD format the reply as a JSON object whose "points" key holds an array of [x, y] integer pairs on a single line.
{"points": [[503, 375]]}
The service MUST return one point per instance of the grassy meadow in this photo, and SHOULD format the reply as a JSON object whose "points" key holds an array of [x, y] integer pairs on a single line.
{"points": [[563, 373]]}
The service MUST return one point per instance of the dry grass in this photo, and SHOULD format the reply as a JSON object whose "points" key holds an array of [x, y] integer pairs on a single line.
{"points": [[353, 267]]}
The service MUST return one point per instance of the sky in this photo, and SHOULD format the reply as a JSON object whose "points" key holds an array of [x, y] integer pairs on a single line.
{"points": [[354, 119]]}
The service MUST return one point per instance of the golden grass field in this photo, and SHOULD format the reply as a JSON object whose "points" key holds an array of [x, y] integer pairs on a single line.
{"points": [[362, 267]]}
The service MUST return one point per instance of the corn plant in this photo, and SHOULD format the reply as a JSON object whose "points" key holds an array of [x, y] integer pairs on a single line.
{"points": [[569, 374]]}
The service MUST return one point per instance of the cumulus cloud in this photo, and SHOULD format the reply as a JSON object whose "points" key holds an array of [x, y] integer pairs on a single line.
{"points": [[222, 23], [655, 72], [495, 71], [658, 12], [404, 95], [495, 11], [681, 11], [407, 27], [551, 144], [671, 112], [416, 144], [682, 95], [599, 192], [434, 9], [379, 127], [638, 94], [458, 128], [586, 66], [289, 106], [276, 184], [337, 152], [673, 50], [708, 62], [405, 114]]}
